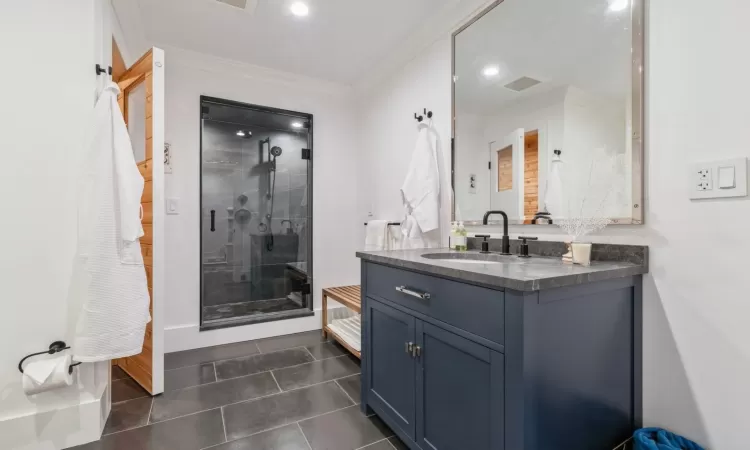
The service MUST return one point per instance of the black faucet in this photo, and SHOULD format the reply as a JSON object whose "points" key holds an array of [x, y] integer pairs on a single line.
{"points": [[506, 240]]}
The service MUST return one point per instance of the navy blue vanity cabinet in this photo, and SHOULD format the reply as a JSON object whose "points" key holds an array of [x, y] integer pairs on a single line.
{"points": [[459, 392], [392, 378], [451, 365]]}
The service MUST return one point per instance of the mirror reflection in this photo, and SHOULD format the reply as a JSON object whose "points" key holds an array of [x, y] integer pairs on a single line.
{"points": [[547, 112]]}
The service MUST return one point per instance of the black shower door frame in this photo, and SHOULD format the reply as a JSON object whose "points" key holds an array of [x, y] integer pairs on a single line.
{"points": [[310, 294]]}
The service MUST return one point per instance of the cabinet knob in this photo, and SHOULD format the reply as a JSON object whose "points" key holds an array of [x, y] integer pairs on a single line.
{"points": [[417, 351], [410, 348]]}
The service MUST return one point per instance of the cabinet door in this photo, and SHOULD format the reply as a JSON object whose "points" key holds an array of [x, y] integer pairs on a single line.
{"points": [[391, 367], [460, 387]]}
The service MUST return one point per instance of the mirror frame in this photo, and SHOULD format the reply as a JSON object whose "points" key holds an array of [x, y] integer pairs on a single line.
{"points": [[638, 42]]}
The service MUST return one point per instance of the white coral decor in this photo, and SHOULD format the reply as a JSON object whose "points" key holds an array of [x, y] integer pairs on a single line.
{"points": [[577, 227], [586, 209]]}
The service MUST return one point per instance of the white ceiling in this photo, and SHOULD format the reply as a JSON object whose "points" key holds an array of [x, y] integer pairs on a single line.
{"points": [[561, 43], [340, 41]]}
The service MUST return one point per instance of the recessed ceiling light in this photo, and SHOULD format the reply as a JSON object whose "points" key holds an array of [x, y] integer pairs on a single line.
{"points": [[299, 9], [296, 125], [491, 71], [618, 5], [240, 133]]}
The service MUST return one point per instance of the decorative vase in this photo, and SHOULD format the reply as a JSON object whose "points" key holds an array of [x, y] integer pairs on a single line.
{"points": [[567, 258], [581, 253]]}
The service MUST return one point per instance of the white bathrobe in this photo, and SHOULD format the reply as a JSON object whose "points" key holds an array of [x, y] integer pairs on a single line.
{"points": [[421, 189], [109, 279]]}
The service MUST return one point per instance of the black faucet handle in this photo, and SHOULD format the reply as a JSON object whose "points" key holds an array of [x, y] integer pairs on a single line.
{"points": [[485, 243], [524, 253]]}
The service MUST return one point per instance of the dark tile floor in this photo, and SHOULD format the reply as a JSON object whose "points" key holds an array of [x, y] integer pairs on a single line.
{"points": [[293, 392]]}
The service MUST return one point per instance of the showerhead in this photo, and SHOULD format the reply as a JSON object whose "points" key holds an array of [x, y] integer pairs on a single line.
{"points": [[276, 151]]}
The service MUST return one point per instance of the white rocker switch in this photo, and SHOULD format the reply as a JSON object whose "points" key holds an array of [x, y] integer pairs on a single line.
{"points": [[726, 177]]}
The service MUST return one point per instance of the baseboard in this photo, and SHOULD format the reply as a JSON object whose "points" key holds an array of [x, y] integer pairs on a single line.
{"points": [[188, 337], [58, 429]]}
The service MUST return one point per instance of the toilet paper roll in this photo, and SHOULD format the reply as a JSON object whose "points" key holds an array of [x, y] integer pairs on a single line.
{"points": [[46, 375]]}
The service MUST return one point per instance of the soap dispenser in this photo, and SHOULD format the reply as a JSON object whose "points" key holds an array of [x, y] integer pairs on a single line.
{"points": [[462, 238]]}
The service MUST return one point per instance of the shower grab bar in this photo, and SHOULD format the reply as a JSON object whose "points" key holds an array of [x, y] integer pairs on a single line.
{"points": [[213, 220]]}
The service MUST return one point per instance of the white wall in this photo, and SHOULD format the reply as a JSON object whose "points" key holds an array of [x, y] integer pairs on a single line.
{"points": [[335, 223], [52, 47], [388, 132], [696, 338]]}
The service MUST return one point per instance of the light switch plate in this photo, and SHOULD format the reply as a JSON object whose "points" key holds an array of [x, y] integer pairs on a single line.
{"points": [[173, 206], [709, 179]]}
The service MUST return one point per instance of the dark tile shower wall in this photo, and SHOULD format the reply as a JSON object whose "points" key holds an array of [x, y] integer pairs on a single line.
{"points": [[231, 169]]}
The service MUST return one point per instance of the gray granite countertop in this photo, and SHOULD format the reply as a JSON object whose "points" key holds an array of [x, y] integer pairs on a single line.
{"points": [[532, 274]]}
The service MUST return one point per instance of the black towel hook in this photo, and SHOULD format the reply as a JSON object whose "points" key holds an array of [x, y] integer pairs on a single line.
{"points": [[420, 118], [100, 70], [55, 347]]}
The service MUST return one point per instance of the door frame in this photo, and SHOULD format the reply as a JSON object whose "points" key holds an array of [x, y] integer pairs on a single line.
{"points": [[149, 69], [310, 267]]}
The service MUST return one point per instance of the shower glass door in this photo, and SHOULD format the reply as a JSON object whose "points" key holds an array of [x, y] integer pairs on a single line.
{"points": [[256, 213]]}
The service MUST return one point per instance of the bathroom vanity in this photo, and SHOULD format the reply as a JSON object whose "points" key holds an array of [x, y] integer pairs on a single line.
{"points": [[502, 353]]}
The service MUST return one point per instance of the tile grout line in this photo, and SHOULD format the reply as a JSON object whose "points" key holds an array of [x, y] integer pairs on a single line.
{"points": [[276, 381], [223, 424], [251, 356], [260, 398], [391, 443], [286, 424], [129, 429], [303, 435], [216, 374], [376, 442], [310, 353], [344, 391]]}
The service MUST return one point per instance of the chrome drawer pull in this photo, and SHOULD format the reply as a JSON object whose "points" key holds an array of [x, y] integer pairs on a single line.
{"points": [[419, 295]]}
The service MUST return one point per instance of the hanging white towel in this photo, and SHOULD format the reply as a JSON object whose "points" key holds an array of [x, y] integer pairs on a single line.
{"points": [[412, 235], [377, 236], [421, 189], [109, 277], [553, 196]]}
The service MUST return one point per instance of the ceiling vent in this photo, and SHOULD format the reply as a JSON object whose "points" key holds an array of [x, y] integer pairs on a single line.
{"points": [[246, 5], [522, 84]]}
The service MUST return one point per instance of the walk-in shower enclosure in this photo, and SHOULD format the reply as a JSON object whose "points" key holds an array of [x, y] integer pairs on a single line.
{"points": [[256, 213]]}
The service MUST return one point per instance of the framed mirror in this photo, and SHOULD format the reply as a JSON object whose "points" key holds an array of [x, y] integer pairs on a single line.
{"points": [[548, 108]]}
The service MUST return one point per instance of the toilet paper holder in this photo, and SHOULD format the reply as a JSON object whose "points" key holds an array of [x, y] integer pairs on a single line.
{"points": [[55, 347]]}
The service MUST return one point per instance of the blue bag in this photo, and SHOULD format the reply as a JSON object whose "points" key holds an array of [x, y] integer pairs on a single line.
{"points": [[659, 439]]}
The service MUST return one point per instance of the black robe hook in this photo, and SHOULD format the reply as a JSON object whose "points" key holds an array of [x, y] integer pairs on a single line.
{"points": [[100, 70]]}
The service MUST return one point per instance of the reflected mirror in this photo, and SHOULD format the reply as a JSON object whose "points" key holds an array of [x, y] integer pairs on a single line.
{"points": [[547, 111]]}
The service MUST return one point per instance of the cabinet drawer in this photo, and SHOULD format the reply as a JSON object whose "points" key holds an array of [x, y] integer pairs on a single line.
{"points": [[471, 308]]}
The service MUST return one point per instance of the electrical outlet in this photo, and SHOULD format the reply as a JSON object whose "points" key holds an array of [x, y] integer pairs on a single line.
{"points": [[703, 179], [718, 179], [472, 184]]}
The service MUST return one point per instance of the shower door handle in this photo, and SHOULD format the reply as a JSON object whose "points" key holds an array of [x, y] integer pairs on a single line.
{"points": [[213, 220]]}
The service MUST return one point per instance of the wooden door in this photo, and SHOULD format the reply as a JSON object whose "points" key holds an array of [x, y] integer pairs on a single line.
{"points": [[391, 380], [141, 101], [531, 176], [460, 392]]}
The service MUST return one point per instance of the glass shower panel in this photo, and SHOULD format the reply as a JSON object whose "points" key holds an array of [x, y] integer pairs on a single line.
{"points": [[255, 223]]}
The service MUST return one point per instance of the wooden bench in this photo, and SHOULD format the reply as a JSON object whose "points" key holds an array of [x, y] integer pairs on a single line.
{"points": [[349, 296]]}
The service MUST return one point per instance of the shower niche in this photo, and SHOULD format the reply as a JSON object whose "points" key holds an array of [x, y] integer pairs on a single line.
{"points": [[256, 213]]}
